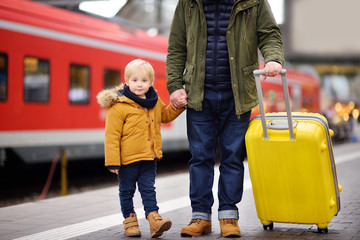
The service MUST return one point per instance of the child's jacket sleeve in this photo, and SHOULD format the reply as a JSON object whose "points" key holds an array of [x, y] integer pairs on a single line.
{"points": [[168, 114]]}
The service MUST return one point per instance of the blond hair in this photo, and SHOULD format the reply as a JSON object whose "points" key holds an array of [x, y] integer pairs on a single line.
{"points": [[139, 64]]}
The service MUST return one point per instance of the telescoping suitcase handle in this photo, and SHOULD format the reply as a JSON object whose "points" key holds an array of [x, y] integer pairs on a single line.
{"points": [[257, 74]]}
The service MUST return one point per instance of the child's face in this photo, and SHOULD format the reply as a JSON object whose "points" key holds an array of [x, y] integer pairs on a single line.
{"points": [[139, 83]]}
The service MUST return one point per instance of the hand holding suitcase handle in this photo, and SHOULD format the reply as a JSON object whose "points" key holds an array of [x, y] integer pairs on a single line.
{"points": [[257, 73]]}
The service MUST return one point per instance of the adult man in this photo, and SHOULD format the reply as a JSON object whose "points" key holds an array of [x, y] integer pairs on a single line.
{"points": [[212, 51]]}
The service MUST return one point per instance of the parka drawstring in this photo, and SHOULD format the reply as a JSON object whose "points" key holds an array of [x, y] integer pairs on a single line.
{"points": [[191, 34], [246, 23]]}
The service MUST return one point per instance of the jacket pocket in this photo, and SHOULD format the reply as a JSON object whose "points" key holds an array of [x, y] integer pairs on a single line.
{"points": [[249, 82], [188, 76]]}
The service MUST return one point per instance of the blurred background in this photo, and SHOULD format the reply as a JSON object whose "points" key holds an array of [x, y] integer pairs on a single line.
{"points": [[320, 37]]}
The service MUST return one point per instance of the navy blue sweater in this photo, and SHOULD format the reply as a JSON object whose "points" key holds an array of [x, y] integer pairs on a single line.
{"points": [[217, 68]]}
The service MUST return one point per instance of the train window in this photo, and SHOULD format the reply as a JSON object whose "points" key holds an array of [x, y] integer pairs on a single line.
{"points": [[111, 78], [79, 92], [3, 76], [36, 79]]}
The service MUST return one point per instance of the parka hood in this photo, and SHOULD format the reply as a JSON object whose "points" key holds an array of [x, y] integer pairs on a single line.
{"points": [[108, 97]]}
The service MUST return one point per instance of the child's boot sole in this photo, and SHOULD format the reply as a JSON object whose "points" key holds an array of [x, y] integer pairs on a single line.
{"points": [[162, 228]]}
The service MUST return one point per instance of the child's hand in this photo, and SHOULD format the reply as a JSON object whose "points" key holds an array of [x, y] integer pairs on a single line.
{"points": [[115, 171]]}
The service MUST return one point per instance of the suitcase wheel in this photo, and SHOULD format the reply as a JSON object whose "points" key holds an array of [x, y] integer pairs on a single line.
{"points": [[322, 230], [270, 226]]}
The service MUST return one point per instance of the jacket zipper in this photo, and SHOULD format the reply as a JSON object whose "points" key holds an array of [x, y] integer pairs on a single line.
{"points": [[202, 21], [152, 144]]}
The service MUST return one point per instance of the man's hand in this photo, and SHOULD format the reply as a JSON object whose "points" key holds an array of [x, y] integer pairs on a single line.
{"points": [[178, 99], [272, 69]]}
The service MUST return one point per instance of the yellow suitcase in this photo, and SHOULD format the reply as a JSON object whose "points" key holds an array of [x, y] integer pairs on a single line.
{"points": [[292, 169]]}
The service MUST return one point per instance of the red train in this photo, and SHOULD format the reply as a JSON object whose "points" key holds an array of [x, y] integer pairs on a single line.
{"points": [[304, 92], [54, 62]]}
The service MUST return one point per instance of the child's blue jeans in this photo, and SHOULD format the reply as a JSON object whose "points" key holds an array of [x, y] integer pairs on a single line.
{"points": [[143, 173]]}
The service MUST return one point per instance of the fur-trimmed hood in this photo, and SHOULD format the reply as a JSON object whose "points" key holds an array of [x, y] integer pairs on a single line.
{"points": [[108, 97]]}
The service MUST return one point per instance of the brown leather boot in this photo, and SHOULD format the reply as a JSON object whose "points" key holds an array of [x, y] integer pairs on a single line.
{"points": [[131, 226], [158, 225], [196, 228], [229, 227]]}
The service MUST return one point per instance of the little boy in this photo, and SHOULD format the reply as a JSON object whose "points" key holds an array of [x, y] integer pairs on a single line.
{"points": [[133, 143]]}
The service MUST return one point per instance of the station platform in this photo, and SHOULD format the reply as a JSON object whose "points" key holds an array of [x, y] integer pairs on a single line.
{"points": [[96, 214]]}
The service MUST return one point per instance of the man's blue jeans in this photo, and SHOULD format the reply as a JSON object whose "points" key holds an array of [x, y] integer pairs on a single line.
{"points": [[216, 124], [144, 173]]}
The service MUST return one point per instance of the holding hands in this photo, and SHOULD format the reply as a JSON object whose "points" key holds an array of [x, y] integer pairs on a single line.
{"points": [[178, 99]]}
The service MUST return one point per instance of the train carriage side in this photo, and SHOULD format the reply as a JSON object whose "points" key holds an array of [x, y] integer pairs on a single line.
{"points": [[54, 63]]}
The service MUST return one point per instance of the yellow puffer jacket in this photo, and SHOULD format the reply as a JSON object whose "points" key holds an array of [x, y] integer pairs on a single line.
{"points": [[132, 133]]}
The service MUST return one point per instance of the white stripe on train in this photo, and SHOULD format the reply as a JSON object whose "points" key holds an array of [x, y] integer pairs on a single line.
{"points": [[80, 40]]}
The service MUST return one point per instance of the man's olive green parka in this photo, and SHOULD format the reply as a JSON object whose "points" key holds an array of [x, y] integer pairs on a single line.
{"points": [[251, 27]]}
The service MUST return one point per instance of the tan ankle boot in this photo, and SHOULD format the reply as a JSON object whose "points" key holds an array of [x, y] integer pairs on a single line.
{"points": [[158, 225], [229, 227], [131, 226], [196, 227]]}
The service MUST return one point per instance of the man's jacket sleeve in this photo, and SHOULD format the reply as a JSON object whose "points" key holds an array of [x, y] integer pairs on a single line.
{"points": [[176, 58]]}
